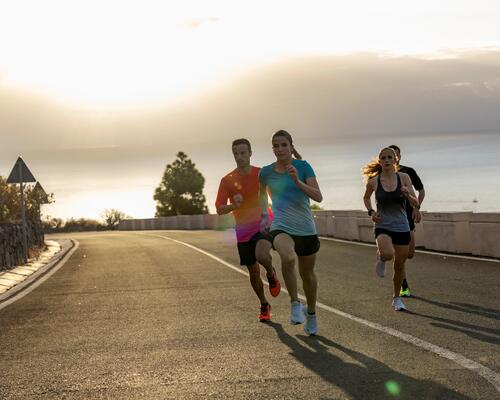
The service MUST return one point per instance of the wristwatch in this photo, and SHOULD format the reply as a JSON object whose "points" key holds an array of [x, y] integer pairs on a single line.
{"points": [[370, 212]]}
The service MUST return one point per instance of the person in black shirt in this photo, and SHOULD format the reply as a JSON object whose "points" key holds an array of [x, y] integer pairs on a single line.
{"points": [[413, 214]]}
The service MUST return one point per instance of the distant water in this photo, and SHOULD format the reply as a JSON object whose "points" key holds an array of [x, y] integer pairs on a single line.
{"points": [[456, 170], [460, 172]]}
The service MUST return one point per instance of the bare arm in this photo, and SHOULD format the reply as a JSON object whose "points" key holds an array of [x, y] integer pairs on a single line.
{"points": [[421, 196], [310, 187], [368, 194], [265, 222], [407, 190], [370, 188], [226, 209], [222, 197], [416, 215]]}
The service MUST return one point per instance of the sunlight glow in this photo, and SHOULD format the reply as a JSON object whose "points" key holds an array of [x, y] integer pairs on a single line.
{"points": [[118, 52]]}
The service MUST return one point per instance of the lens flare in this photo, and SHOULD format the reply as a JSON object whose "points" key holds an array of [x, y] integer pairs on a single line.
{"points": [[393, 388]]}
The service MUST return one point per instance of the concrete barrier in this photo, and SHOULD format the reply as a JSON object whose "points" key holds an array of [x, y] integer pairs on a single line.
{"points": [[453, 232], [485, 234], [447, 231]]}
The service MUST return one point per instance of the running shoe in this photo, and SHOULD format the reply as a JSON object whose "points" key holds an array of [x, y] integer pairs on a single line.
{"points": [[311, 325], [274, 284], [296, 316], [379, 266], [265, 313], [405, 292], [398, 304]]}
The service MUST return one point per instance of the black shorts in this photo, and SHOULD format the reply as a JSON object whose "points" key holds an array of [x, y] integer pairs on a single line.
{"points": [[246, 250], [304, 245], [399, 238]]}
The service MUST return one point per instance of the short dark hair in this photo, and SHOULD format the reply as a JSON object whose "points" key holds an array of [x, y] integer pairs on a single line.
{"points": [[394, 147], [242, 141]]}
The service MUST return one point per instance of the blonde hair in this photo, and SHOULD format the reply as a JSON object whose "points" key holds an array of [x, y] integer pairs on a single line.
{"points": [[288, 137], [373, 168]]}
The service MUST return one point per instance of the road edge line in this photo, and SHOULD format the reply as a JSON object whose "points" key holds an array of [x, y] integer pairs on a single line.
{"points": [[466, 363]]}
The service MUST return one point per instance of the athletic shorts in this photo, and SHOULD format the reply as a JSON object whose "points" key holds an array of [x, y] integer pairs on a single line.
{"points": [[304, 245], [246, 250], [399, 238]]}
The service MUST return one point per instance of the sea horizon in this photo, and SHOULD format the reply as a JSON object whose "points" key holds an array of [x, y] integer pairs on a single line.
{"points": [[458, 172]]}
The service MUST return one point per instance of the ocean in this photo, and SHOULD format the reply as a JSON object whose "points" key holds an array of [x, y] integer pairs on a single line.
{"points": [[460, 172]]}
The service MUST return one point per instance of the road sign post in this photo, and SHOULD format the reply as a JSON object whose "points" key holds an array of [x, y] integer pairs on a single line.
{"points": [[41, 198], [20, 174]]}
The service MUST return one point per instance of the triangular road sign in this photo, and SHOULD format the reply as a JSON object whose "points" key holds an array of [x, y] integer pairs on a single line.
{"points": [[27, 176], [38, 189]]}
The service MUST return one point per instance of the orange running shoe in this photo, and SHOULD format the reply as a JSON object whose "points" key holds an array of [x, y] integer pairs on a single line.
{"points": [[274, 284], [265, 313]]}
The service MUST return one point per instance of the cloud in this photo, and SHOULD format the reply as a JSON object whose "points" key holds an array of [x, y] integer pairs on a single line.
{"points": [[197, 23], [323, 101], [317, 98]]}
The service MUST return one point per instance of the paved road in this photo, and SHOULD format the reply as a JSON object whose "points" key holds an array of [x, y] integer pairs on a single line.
{"points": [[140, 316]]}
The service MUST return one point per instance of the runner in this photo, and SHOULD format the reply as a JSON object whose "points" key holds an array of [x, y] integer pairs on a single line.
{"points": [[292, 182], [392, 230], [241, 188], [413, 214]]}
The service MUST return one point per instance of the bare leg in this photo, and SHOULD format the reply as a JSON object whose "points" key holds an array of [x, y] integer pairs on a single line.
{"points": [[285, 247], [263, 255], [401, 254], [256, 282], [309, 280], [411, 249], [384, 247]]}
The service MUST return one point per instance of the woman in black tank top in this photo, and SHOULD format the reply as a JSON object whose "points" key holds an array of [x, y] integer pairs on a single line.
{"points": [[392, 232]]}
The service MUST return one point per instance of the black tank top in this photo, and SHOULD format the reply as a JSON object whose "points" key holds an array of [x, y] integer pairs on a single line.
{"points": [[392, 207]]}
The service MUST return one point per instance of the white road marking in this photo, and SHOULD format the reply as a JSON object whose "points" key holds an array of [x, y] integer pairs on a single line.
{"points": [[488, 374], [433, 253], [32, 286]]}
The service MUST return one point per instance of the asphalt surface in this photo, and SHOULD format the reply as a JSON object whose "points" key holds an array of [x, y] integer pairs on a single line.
{"points": [[134, 315]]}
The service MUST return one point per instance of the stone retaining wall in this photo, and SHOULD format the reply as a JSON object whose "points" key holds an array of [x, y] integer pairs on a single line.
{"points": [[11, 253]]}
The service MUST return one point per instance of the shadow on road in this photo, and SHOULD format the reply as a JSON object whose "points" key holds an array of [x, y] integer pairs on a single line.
{"points": [[365, 377], [463, 327], [463, 307]]}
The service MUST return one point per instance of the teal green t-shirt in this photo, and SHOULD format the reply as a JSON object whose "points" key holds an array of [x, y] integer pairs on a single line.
{"points": [[291, 209]]}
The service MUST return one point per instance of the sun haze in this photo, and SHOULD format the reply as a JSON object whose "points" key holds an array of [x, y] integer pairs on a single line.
{"points": [[129, 53]]}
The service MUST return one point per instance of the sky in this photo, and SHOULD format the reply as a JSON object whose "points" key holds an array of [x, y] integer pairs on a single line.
{"points": [[99, 96]]}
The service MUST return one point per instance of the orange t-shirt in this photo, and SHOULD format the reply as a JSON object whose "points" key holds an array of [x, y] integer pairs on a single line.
{"points": [[247, 217]]}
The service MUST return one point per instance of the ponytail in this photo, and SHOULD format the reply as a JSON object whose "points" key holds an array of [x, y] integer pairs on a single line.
{"points": [[371, 169], [296, 154]]}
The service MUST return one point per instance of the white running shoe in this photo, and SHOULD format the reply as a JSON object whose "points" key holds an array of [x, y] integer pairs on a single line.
{"points": [[398, 304], [311, 326], [379, 266], [296, 316]]}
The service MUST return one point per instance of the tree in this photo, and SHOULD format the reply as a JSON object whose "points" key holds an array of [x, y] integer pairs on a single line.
{"points": [[112, 218], [9, 202], [316, 207], [181, 189], [10, 205], [52, 224]]}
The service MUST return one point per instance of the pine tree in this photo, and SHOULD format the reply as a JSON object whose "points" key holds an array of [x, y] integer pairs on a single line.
{"points": [[181, 189]]}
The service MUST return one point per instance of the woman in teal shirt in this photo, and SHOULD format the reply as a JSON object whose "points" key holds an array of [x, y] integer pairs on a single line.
{"points": [[291, 183]]}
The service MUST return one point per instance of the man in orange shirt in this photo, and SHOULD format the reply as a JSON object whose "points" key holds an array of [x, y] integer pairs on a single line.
{"points": [[241, 188]]}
